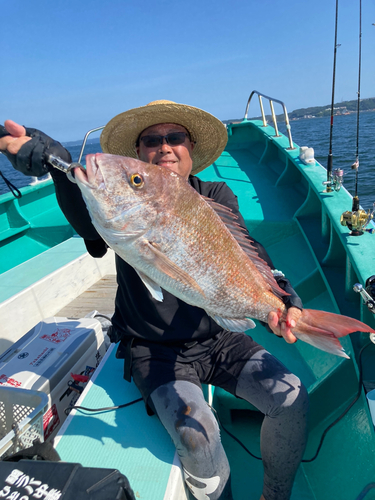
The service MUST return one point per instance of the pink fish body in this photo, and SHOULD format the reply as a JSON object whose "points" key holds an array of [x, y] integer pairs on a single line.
{"points": [[192, 247]]}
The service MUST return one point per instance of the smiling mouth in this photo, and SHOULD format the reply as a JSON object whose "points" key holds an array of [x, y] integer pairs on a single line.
{"points": [[166, 162]]}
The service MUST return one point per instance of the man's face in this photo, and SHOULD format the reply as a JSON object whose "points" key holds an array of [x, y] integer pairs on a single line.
{"points": [[175, 158]]}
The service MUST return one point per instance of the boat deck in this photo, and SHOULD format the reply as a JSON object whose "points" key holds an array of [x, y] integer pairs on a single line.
{"points": [[99, 297]]}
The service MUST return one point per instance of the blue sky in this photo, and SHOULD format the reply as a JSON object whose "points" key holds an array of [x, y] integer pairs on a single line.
{"points": [[68, 66]]}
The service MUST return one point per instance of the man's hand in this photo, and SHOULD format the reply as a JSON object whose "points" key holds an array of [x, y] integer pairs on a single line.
{"points": [[27, 149], [283, 327]]}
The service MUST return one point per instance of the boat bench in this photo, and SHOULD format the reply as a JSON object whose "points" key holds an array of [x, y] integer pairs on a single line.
{"points": [[126, 439], [30, 225], [44, 284]]}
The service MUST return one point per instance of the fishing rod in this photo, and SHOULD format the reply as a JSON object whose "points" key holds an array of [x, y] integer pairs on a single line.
{"points": [[334, 178], [355, 165], [357, 219]]}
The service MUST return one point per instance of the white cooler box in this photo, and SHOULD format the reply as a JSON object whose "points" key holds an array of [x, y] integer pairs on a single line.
{"points": [[57, 357]]}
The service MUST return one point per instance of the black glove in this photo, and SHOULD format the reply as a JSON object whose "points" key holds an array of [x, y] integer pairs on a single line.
{"points": [[292, 300], [31, 158]]}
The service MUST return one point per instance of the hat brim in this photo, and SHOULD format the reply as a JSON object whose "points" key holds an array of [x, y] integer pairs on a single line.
{"points": [[209, 134]]}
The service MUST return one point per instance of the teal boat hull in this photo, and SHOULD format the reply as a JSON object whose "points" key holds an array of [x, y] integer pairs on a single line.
{"points": [[30, 225], [285, 207]]}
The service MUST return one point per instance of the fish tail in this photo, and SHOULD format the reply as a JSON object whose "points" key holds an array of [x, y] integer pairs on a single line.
{"points": [[323, 329]]}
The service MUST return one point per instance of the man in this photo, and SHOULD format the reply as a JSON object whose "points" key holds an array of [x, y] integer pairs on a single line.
{"points": [[170, 347]]}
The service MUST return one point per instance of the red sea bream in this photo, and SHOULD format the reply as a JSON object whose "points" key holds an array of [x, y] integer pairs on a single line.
{"points": [[192, 247]]}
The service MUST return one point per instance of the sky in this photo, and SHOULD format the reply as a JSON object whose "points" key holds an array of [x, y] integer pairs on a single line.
{"points": [[67, 66]]}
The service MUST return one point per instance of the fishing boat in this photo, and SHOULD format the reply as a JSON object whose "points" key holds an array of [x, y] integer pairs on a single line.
{"points": [[288, 206]]}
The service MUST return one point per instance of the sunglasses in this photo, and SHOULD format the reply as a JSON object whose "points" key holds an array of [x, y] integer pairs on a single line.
{"points": [[173, 139]]}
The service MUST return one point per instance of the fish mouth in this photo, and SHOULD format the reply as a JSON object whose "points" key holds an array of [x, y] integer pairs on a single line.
{"points": [[92, 177]]}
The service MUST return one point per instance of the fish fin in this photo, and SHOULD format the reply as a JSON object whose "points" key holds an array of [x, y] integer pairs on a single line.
{"points": [[154, 289], [247, 244], [234, 325], [167, 266], [323, 329], [327, 344]]}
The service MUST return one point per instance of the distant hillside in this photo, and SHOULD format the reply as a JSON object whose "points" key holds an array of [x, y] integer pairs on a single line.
{"points": [[342, 108]]}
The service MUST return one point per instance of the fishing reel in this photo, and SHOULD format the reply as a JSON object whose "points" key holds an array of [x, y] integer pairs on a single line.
{"points": [[336, 180], [367, 293], [357, 219]]}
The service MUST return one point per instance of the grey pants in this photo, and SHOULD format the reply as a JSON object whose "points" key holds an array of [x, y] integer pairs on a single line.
{"points": [[275, 391]]}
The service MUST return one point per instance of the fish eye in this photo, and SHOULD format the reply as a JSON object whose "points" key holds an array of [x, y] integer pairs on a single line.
{"points": [[136, 180]]}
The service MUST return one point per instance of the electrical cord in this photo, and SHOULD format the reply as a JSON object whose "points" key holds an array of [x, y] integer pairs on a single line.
{"points": [[108, 408], [346, 409], [103, 316], [326, 430], [232, 435], [365, 490]]}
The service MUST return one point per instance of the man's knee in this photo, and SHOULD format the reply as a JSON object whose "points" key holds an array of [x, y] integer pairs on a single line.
{"points": [[198, 431], [298, 395], [294, 397]]}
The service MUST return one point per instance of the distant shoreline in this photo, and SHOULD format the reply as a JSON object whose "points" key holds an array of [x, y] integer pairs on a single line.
{"points": [[335, 113], [339, 109], [343, 108]]}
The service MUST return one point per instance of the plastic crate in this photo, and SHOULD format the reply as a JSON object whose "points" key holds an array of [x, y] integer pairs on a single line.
{"points": [[21, 418]]}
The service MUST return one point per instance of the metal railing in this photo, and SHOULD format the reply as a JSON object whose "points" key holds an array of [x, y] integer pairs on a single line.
{"points": [[271, 101], [84, 141]]}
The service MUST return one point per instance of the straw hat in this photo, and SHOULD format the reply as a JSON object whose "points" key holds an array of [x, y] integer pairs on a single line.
{"points": [[121, 133]]}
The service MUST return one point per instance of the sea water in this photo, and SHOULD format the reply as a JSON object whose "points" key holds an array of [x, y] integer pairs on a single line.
{"points": [[312, 132], [315, 133]]}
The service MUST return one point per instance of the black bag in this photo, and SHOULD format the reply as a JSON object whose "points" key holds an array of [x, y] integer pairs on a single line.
{"points": [[62, 481]]}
